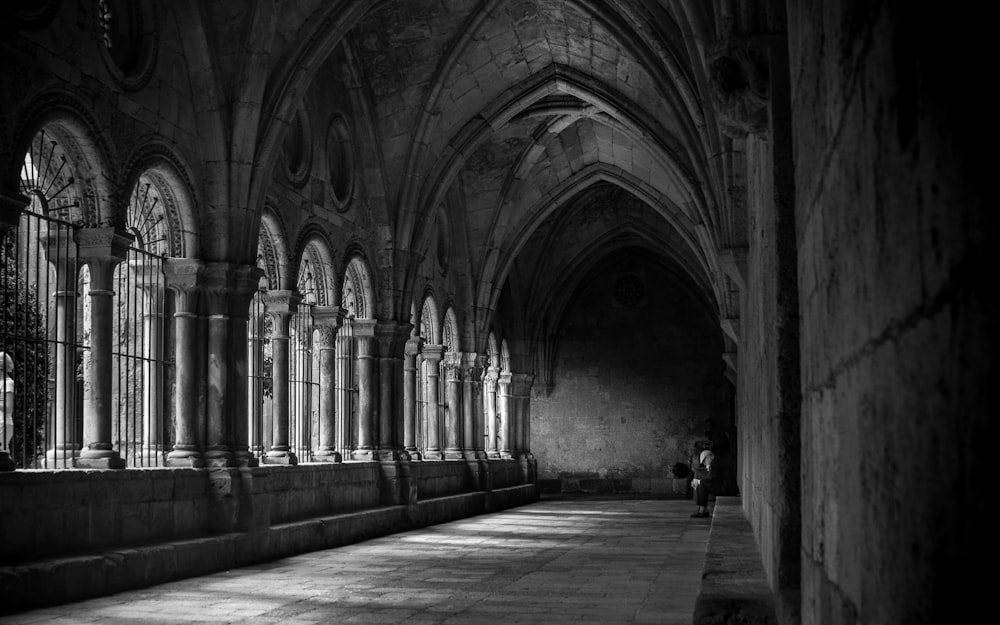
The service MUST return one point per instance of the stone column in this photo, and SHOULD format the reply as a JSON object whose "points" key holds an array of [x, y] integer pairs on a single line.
{"points": [[218, 450], [492, 418], [504, 438], [391, 337], [364, 332], [61, 253], [521, 393], [453, 406], [432, 359], [257, 437], [472, 407], [149, 281], [300, 417], [246, 279], [344, 376], [327, 320], [280, 305], [410, 352], [183, 279], [101, 249], [11, 205]]}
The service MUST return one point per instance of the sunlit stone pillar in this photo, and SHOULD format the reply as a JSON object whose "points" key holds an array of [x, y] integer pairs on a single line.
{"points": [[345, 384], [504, 435], [410, 351], [246, 279], [364, 333], [472, 407], [183, 278], [280, 305], [492, 418], [301, 346], [432, 363], [101, 249], [327, 320], [453, 405], [61, 253], [258, 435]]}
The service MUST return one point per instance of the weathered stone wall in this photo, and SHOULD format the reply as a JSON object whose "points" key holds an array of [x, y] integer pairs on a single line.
{"points": [[633, 387], [897, 328], [55, 512]]}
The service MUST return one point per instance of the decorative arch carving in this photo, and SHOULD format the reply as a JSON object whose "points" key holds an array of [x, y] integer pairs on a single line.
{"points": [[88, 152], [272, 252], [429, 321], [316, 275], [449, 331], [357, 297]]}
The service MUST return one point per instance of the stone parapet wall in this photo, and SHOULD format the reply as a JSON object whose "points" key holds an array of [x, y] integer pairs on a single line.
{"points": [[45, 513], [71, 534], [440, 478], [297, 492]]}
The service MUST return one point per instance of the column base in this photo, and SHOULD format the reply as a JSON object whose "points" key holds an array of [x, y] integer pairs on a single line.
{"points": [[187, 458], [99, 462], [61, 458], [388, 455], [363, 455], [433, 454], [246, 459], [493, 455], [281, 457], [454, 454], [6, 463], [327, 455], [413, 454], [506, 455]]}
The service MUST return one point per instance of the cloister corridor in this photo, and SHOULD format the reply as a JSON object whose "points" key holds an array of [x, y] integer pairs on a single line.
{"points": [[564, 560]]}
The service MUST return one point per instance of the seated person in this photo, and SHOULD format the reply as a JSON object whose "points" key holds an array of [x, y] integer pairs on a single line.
{"points": [[717, 479]]}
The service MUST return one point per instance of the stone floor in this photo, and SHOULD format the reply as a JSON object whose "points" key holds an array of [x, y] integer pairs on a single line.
{"points": [[556, 561]]}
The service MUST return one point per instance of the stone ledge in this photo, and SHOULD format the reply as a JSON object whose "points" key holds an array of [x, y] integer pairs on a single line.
{"points": [[734, 588]]}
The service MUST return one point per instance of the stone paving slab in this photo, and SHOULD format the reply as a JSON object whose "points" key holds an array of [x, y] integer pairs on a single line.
{"points": [[559, 561]]}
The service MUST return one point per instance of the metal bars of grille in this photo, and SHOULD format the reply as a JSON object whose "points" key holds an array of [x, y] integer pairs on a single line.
{"points": [[40, 306]]}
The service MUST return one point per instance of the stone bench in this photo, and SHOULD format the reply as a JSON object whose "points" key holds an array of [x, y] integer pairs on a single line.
{"points": [[734, 588]]}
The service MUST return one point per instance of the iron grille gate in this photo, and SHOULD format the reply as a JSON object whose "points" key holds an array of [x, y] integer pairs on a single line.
{"points": [[41, 335], [139, 426]]}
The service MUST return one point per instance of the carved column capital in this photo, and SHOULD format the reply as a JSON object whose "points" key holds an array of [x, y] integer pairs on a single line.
{"points": [[326, 321], [101, 249], [183, 276], [433, 353]]}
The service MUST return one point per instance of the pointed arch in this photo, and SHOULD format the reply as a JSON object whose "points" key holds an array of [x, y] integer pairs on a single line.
{"points": [[316, 279], [428, 322], [449, 331], [161, 201], [67, 162], [358, 298], [272, 251]]}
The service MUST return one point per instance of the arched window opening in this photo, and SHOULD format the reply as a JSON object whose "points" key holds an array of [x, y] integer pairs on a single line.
{"points": [[260, 360], [428, 383], [40, 303], [142, 410]]}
